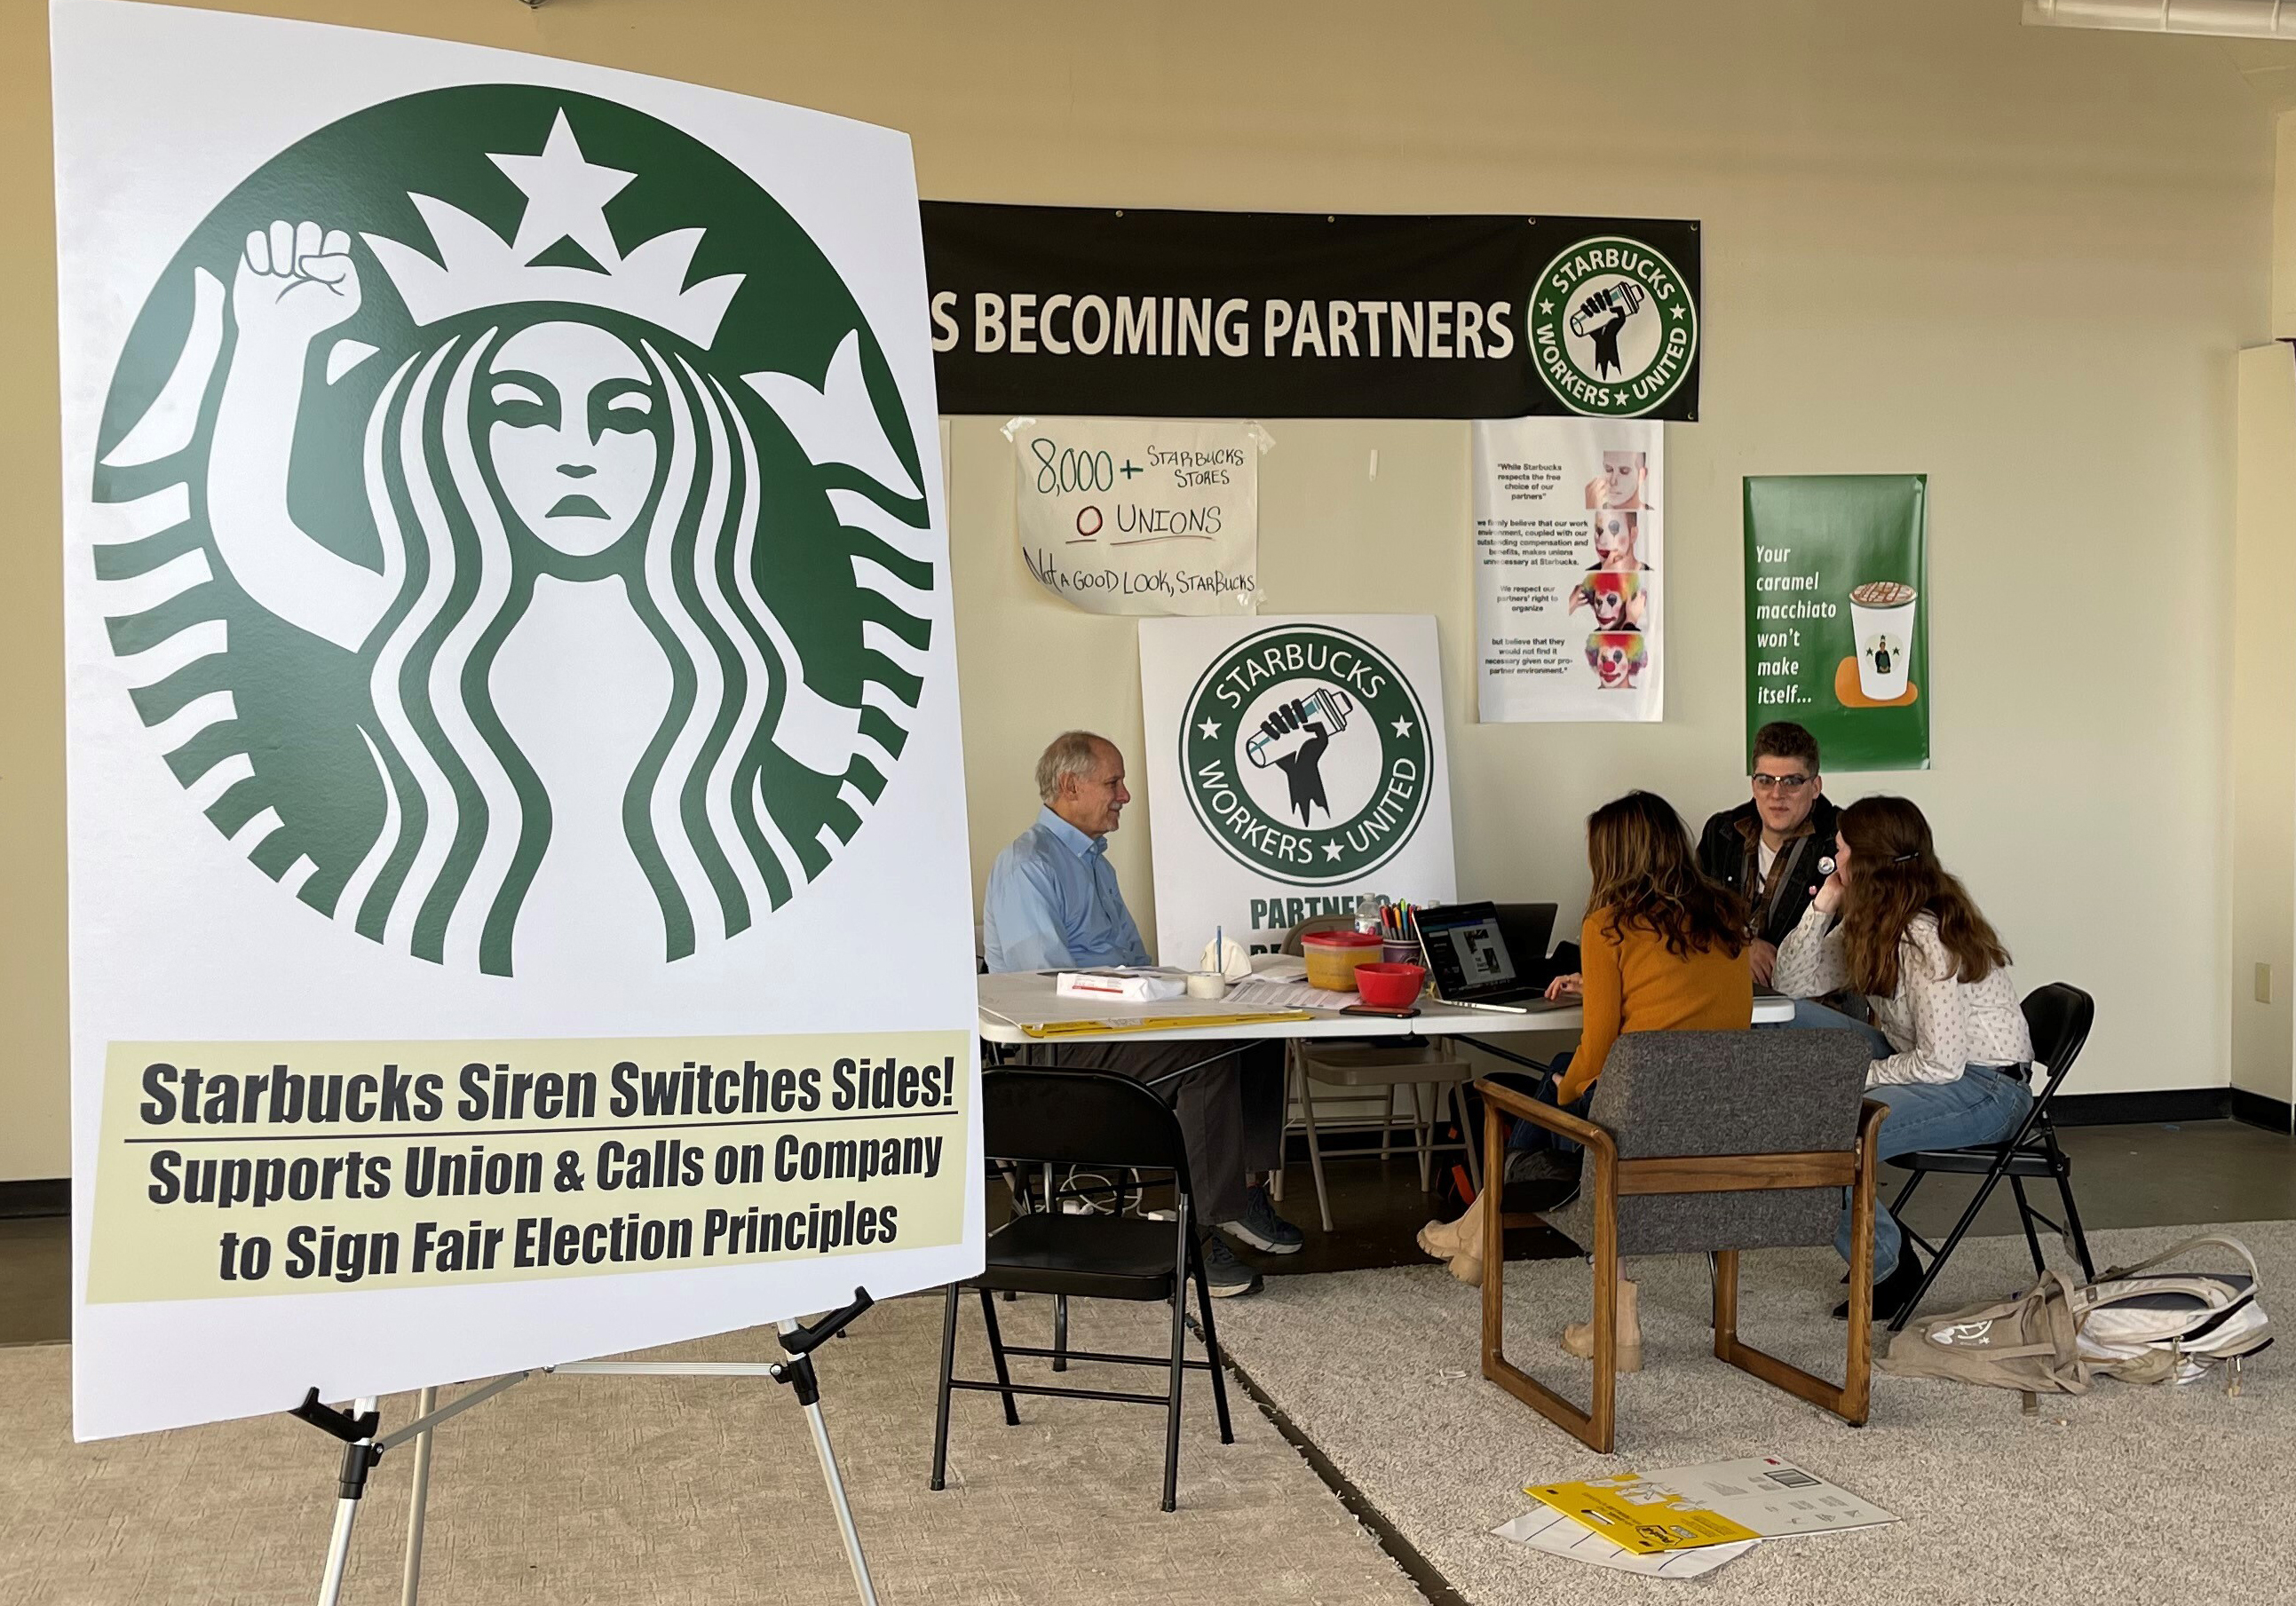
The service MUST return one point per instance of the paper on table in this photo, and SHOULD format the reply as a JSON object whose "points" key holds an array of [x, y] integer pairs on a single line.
{"points": [[1127, 986], [1548, 1529], [1260, 993]]}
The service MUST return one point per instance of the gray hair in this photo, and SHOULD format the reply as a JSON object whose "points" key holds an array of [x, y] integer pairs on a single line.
{"points": [[1071, 753]]}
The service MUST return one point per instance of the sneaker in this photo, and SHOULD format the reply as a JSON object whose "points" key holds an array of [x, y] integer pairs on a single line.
{"points": [[1261, 1228], [1893, 1292], [1223, 1274]]}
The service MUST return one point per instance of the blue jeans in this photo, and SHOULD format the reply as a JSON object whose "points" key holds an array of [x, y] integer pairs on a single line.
{"points": [[1530, 1135], [1985, 1106]]}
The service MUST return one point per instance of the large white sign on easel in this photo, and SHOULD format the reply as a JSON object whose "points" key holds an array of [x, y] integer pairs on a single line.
{"points": [[510, 698], [1294, 765]]}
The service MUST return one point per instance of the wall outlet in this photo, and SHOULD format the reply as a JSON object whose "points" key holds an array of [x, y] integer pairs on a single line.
{"points": [[2263, 984]]}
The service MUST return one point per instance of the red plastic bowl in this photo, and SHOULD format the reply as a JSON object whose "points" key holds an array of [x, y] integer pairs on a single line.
{"points": [[1390, 986]]}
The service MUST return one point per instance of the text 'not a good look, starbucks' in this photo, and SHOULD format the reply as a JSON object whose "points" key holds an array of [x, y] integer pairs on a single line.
{"points": [[254, 1168]]}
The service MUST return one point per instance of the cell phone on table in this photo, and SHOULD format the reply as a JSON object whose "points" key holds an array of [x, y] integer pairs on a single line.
{"points": [[1406, 1013]]}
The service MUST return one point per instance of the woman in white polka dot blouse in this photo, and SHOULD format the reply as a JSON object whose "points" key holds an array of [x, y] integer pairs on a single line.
{"points": [[1952, 1052]]}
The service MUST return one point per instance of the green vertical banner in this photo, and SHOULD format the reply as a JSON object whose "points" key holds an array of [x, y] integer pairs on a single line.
{"points": [[1837, 622]]}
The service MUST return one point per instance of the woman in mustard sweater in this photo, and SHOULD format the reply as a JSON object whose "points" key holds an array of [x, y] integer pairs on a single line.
{"points": [[1663, 948]]}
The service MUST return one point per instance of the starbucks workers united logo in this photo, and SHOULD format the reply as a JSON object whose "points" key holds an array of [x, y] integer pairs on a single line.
{"points": [[1612, 327], [1305, 755], [515, 541]]}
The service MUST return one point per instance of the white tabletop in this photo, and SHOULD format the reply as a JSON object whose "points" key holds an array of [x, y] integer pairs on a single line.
{"points": [[1009, 1001]]}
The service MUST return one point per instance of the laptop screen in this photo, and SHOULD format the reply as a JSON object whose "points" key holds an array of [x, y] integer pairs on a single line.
{"points": [[1466, 950]]}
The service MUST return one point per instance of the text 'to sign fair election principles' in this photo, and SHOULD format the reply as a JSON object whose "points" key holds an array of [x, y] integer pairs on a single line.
{"points": [[510, 696]]}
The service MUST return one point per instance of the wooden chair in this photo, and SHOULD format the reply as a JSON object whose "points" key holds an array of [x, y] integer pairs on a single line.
{"points": [[1702, 1143], [1389, 1066]]}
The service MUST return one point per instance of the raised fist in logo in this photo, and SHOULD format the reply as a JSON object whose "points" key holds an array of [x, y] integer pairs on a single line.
{"points": [[295, 282], [1296, 740], [1599, 319]]}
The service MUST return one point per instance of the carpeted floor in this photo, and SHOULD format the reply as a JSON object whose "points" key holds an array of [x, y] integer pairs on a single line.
{"points": [[636, 1492], [2156, 1494]]}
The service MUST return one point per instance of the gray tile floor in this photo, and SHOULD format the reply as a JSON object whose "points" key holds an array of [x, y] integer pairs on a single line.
{"points": [[2123, 1176]]}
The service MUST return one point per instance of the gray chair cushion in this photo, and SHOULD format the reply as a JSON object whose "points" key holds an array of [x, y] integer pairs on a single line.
{"points": [[1667, 1094]]}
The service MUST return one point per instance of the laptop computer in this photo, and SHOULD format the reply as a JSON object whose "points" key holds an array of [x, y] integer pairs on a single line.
{"points": [[1474, 965], [1528, 929]]}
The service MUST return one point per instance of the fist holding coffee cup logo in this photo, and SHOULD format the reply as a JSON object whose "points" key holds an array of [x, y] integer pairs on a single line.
{"points": [[1294, 736]]}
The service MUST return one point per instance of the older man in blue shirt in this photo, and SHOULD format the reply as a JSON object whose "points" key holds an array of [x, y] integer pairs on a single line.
{"points": [[1054, 904]]}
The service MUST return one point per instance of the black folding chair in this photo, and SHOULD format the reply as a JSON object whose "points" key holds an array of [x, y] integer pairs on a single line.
{"points": [[2059, 1017], [1033, 1119]]}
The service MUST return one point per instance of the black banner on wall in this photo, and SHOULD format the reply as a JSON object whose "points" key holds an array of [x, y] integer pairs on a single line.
{"points": [[1296, 314]]}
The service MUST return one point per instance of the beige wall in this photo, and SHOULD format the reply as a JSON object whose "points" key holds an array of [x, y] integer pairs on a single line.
{"points": [[2263, 726], [2263, 748], [2019, 260]]}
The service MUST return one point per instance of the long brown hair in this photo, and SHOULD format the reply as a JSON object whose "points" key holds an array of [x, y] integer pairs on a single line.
{"points": [[1895, 876], [1646, 876]]}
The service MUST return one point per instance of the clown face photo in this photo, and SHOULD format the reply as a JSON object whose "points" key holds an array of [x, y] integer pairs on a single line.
{"points": [[1624, 483], [1616, 533], [1617, 601], [1617, 657]]}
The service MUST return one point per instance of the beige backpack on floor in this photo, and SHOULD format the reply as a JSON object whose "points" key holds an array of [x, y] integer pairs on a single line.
{"points": [[2059, 1335]]}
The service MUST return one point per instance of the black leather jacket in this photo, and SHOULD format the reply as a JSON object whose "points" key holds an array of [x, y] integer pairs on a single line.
{"points": [[1726, 851]]}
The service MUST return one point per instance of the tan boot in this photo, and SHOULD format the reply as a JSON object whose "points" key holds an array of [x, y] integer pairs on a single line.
{"points": [[1579, 1338], [1467, 1267], [1444, 1238]]}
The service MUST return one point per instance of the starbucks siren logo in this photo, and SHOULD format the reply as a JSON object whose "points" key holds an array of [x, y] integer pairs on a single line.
{"points": [[1612, 328], [516, 535], [1306, 754]]}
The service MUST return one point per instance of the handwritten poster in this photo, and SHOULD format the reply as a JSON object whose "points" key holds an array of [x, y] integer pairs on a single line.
{"points": [[1140, 515], [1568, 554]]}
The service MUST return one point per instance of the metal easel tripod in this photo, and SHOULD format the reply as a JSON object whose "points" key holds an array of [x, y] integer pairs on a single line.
{"points": [[362, 1449]]}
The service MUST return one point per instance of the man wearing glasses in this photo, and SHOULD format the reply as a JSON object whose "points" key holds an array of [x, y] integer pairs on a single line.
{"points": [[1768, 849]]}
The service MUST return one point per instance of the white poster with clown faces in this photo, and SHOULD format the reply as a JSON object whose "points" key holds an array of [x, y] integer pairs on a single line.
{"points": [[1569, 555], [509, 691]]}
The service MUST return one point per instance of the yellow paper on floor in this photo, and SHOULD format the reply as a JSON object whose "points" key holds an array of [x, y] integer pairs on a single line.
{"points": [[1640, 1516]]}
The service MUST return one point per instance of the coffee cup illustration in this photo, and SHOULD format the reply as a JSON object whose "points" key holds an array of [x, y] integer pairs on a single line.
{"points": [[1322, 714], [1881, 619]]}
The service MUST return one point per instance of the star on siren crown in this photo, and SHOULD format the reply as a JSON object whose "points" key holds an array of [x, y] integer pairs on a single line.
{"points": [[566, 198]]}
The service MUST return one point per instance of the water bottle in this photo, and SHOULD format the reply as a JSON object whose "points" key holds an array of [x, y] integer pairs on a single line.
{"points": [[1367, 915]]}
